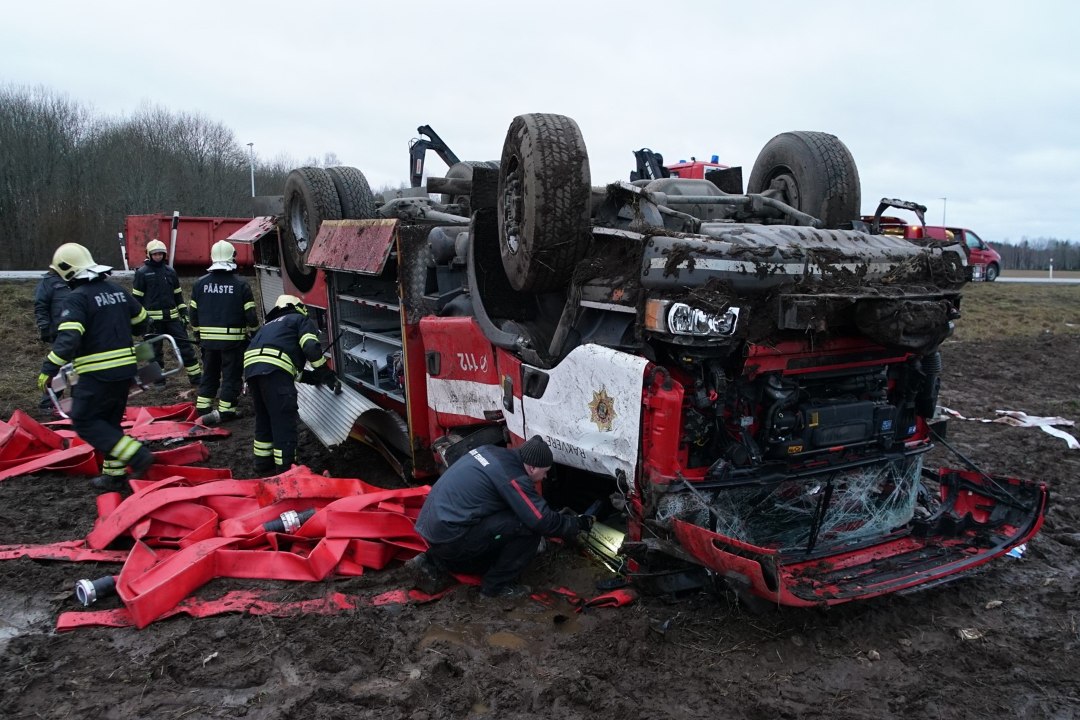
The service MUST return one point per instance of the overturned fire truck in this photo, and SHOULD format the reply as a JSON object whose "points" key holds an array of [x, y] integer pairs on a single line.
{"points": [[745, 381]]}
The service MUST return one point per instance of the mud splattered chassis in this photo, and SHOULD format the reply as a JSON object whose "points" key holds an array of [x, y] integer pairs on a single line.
{"points": [[749, 387]]}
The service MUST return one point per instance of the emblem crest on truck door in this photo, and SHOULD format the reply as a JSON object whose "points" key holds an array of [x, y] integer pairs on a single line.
{"points": [[602, 409]]}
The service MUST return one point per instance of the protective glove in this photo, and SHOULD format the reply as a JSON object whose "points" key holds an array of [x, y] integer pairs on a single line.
{"points": [[195, 334], [325, 376], [46, 336], [585, 523], [151, 329], [182, 313], [43, 380]]}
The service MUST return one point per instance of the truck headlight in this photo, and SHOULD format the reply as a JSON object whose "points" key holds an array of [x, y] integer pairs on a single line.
{"points": [[681, 319]]}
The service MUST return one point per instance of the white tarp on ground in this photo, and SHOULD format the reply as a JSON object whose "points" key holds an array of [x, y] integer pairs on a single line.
{"points": [[1016, 418]]}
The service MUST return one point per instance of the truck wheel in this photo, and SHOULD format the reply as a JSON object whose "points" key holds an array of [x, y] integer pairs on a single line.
{"points": [[812, 172], [992, 272], [544, 201], [354, 193], [310, 198]]}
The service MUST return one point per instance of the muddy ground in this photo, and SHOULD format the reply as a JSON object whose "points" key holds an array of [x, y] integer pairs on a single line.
{"points": [[694, 657]]}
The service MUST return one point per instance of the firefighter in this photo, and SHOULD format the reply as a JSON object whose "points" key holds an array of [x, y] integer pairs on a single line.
{"points": [[485, 516], [49, 297], [157, 287], [223, 317], [95, 334], [272, 364]]}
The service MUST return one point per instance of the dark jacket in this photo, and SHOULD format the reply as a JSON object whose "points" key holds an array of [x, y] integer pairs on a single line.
{"points": [[485, 481], [157, 287], [95, 332], [283, 343], [49, 299], [222, 309]]}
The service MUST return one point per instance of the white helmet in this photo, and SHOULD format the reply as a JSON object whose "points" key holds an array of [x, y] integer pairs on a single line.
{"points": [[156, 246], [284, 301], [72, 261], [223, 255]]}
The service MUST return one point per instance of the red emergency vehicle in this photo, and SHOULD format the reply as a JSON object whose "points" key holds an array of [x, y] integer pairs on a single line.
{"points": [[746, 382]]}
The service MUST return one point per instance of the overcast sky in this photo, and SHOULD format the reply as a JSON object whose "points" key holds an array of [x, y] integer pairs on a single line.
{"points": [[976, 102]]}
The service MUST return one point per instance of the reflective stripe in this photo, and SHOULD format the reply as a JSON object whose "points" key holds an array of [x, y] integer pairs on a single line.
{"points": [[71, 325], [193, 303], [209, 332], [306, 338], [193, 369], [137, 293], [202, 403], [263, 449], [139, 318], [318, 363], [162, 314], [125, 448], [249, 305], [105, 360], [270, 356], [56, 359], [113, 468]]}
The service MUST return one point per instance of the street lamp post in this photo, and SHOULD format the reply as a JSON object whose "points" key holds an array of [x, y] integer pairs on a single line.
{"points": [[944, 204], [251, 157]]}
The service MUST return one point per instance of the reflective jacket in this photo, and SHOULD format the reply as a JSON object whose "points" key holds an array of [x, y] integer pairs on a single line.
{"points": [[95, 332], [284, 343], [49, 302], [222, 309], [157, 287], [485, 481]]}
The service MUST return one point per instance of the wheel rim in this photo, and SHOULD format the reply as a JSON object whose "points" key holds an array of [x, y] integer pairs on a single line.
{"points": [[783, 184], [513, 206], [298, 218]]}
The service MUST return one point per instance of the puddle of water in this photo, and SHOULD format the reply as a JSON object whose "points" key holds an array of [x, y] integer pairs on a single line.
{"points": [[20, 621], [507, 640]]}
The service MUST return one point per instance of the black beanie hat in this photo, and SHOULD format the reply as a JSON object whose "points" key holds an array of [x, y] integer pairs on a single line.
{"points": [[536, 453]]}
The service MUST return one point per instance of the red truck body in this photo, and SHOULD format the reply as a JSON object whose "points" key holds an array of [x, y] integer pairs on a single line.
{"points": [[747, 391], [194, 237]]}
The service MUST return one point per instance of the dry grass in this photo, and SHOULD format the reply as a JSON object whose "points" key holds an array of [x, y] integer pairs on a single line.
{"points": [[990, 310]]}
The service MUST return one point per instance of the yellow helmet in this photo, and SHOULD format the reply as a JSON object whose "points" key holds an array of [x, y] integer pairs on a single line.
{"points": [[72, 261], [156, 246], [223, 256], [284, 301]]}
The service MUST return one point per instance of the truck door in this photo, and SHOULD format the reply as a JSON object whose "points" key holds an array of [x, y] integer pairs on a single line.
{"points": [[587, 408], [462, 381]]}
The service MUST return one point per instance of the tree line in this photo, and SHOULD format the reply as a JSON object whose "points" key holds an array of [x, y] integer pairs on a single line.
{"points": [[69, 175], [1039, 253]]}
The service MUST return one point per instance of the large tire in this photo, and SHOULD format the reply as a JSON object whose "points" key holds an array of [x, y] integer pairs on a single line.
{"points": [[310, 198], [814, 173], [354, 193], [992, 272], [544, 201]]}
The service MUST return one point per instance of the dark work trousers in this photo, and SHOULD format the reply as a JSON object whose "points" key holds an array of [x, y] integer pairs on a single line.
{"points": [[178, 330], [499, 547], [97, 408], [276, 415], [224, 370]]}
